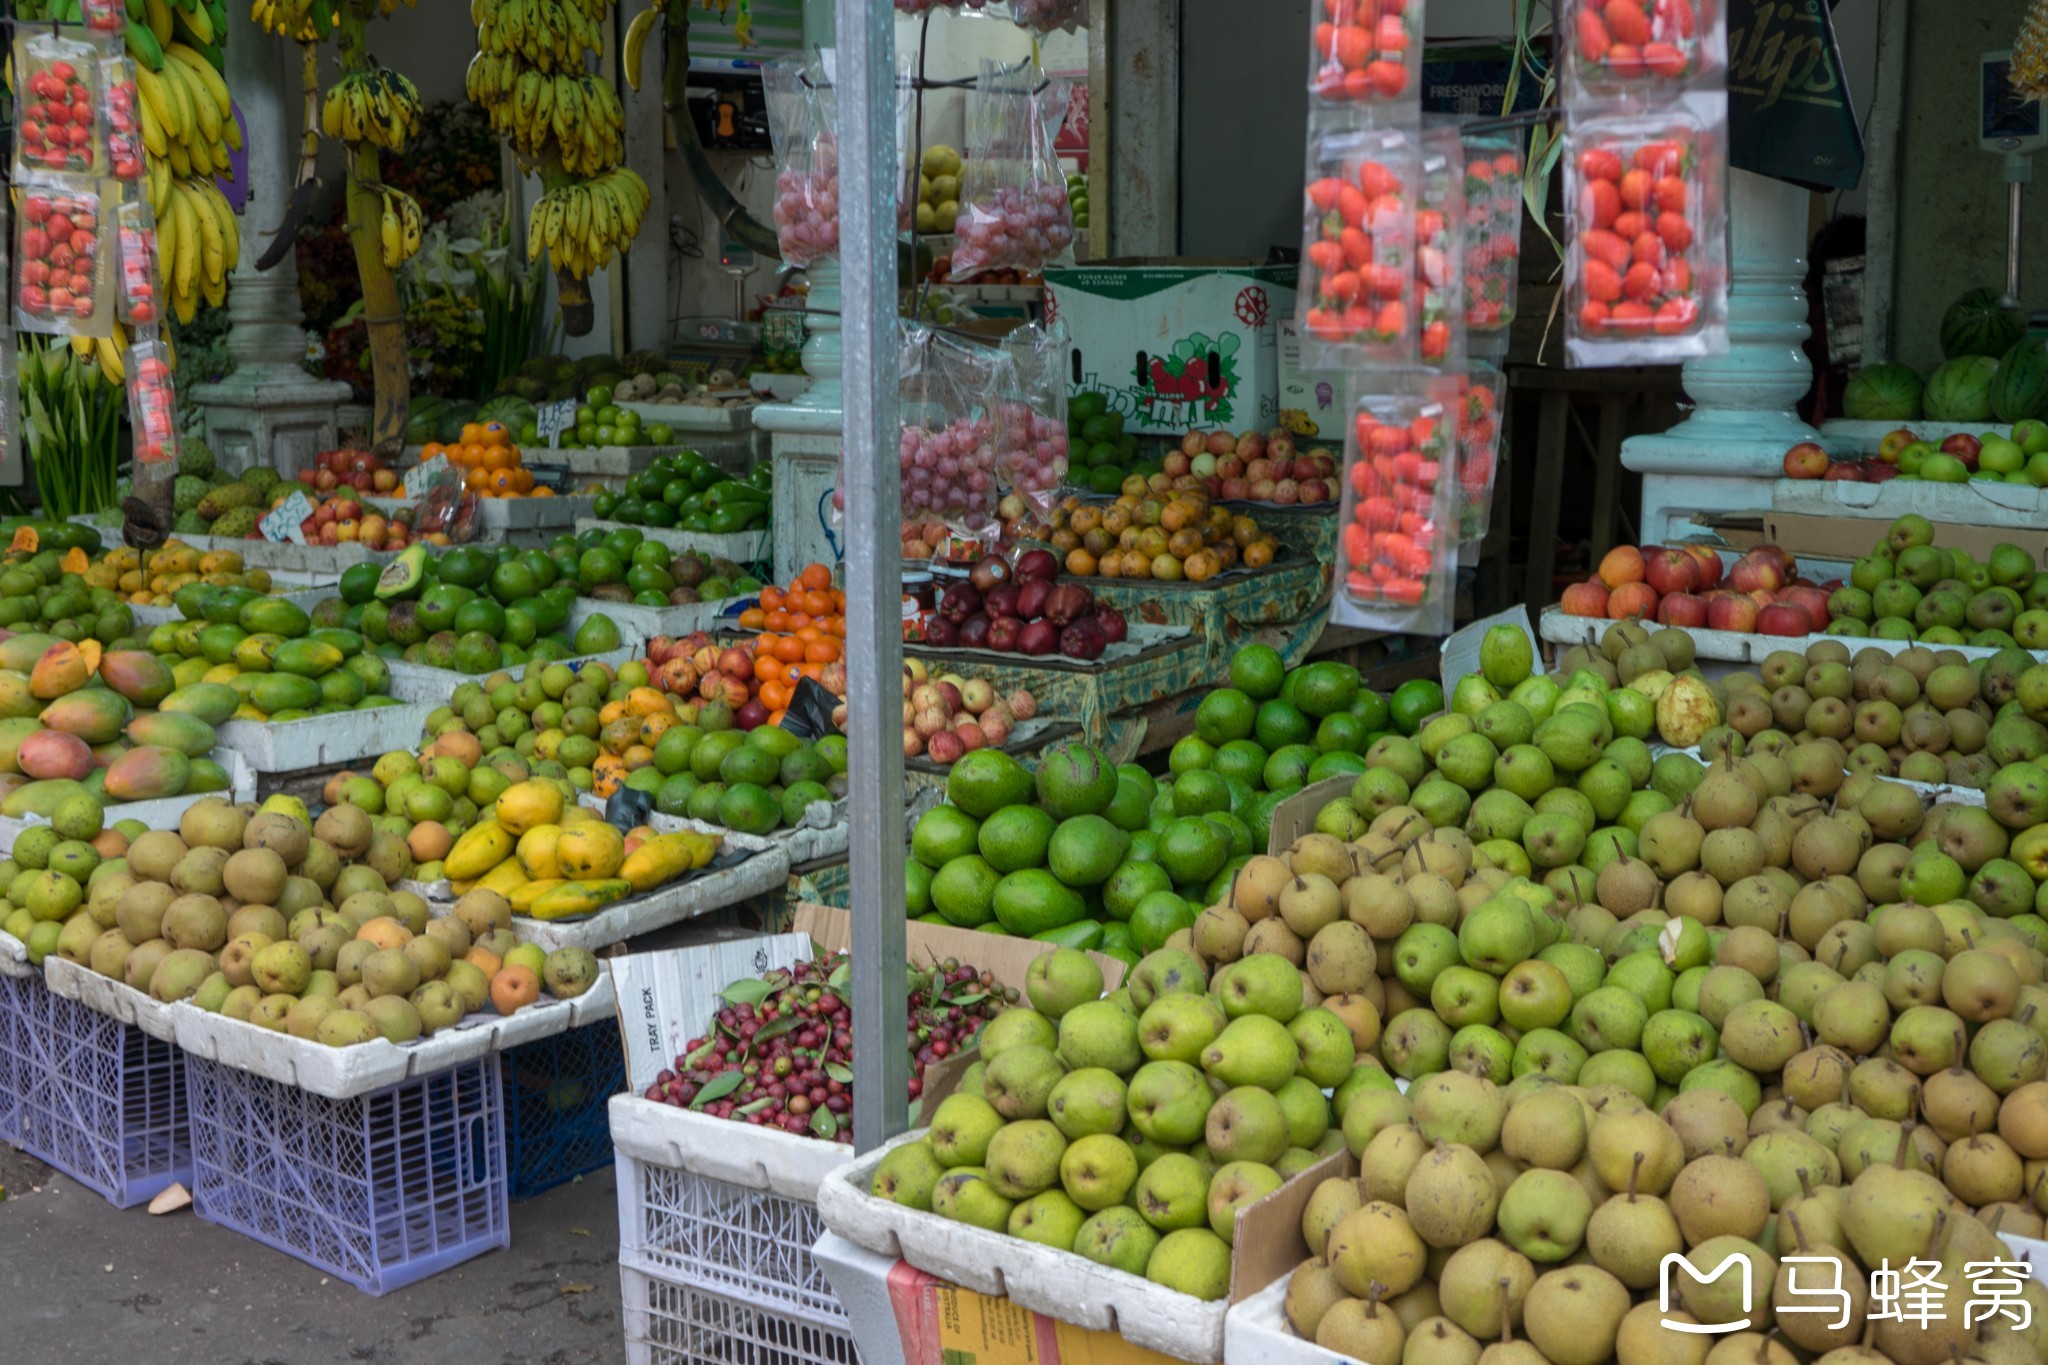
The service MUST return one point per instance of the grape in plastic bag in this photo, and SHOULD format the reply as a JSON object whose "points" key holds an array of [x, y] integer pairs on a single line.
{"points": [[803, 126], [1031, 429], [1014, 212]]}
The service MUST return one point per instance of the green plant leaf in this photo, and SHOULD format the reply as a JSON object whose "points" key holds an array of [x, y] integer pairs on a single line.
{"points": [[825, 1124], [839, 1072], [717, 1088], [751, 991]]}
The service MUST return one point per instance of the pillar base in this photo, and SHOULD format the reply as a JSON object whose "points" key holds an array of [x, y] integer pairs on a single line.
{"points": [[270, 419]]}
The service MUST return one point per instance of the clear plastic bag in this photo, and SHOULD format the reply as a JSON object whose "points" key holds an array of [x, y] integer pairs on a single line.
{"points": [[1440, 252], [60, 283], [1646, 274], [136, 299], [1043, 16], [1356, 301], [57, 108], [1493, 228], [1014, 212], [104, 16], [1031, 426], [1368, 53], [152, 402], [947, 451], [123, 117], [803, 125], [1479, 430], [1397, 544], [1644, 47]]}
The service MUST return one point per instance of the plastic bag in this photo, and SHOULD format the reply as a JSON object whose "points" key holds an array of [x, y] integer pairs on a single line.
{"points": [[803, 126], [1031, 426], [57, 116], [1646, 273], [152, 406], [1440, 252], [59, 284], [1043, 16], [1368, 53], [1356, 301], [947, 451], [1014, 212], [1644, 47], [104, 16], [1479, 429], [1493, 228], [137, 274], [925, 6], [1397, 545], [123, 118]]}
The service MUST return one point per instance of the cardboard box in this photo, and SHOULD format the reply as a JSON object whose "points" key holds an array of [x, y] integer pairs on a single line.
{"points": [[1310, 400], [1296, 815], [943, 1324], [1172, 344], [1850, 538], [1008, 959]]}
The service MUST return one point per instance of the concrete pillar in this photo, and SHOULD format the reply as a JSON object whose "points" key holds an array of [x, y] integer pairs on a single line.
{"points": [[1723, 455], [270, 410]]}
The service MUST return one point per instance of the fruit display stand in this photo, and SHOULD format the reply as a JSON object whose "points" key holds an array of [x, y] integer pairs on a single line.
{"points": [[648, 622], [607, 465], [1733, 646], [1156, 662], [302, 589], [741, 547], [1284, 604], [162, 813], [292, 746], [447, 679], [496, 516]]}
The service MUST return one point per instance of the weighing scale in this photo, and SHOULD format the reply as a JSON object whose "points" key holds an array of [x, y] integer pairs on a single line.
{"points": [[2010, 126]]}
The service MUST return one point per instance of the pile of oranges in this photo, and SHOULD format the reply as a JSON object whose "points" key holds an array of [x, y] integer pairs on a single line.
{"points": [[803, 630], [491, 465]]}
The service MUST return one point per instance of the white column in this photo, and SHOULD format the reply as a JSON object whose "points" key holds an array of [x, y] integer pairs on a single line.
{"points": [[270, 410], [1723, 454]]}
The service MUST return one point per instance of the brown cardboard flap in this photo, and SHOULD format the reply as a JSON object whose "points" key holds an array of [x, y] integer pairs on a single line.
{"points": [[1269, 1243], [1005, 958], [1296, 815], [1852, 537]]}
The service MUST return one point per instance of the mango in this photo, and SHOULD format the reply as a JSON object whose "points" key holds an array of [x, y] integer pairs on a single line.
{"points": [[142, 678], [537, 852], [578, 898], [189, 735], [40, 798], [62, 669], [306, 658], [207, 776], [523, 897], [15, 697], [528, 805], [271, 692], [96, 714], [660, 859], [504, 879], [147, 773], [273, 616], [14, 731], [52, 754], [253, 652], [478, 851], [20, 652], [210, 702], [590, 850]]}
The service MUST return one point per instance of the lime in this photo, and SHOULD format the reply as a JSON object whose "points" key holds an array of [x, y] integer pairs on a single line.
{"points": [[1371, 710], [1224, 715], [1198, 793], [1130, 884], [1280, 723], [1191, 754], [1414, 702], [1257, 670], [1015, 837], [1085, 850], [1287, 768], [1340, 731], [1191, 849], [1157, 918], [1242, 759]]}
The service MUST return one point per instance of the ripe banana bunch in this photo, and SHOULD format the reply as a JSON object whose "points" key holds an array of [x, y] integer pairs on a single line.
{"points": [[490, 82], [551, 35], [582, 224], [377, 106], [578, 114], [111, 352], [401, 226], [187, 118], [286, 18], [197, 242]]}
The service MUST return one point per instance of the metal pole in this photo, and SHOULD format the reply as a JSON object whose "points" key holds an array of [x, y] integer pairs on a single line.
{"points": [[866, 86]]}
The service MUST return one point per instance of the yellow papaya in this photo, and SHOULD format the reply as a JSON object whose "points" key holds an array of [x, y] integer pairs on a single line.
{"points": [[660, 859], [523, 898], [590, 849], [481, 848], [537, 852], [527, 805]]}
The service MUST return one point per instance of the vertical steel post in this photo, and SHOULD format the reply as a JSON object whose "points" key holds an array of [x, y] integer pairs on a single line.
{"points": [[866, 95]]}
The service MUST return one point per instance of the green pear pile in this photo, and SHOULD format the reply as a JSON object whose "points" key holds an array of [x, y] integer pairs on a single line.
{"points": [[1132, 1128]]}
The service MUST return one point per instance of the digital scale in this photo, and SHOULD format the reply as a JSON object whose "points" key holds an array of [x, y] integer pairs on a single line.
{"points": [[2010, 126]]}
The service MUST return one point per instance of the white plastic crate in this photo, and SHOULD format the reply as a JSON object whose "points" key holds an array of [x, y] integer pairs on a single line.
{"points": [[669, 1323]]}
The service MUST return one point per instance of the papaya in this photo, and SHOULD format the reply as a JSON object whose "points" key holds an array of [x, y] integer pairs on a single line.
{"points": [[41, 798], [142, 678], [51, 754], [273, 692], [20, 652], [528, 805], [480, 849], [592, 849], [537, 852], [189, 735], [95, 714], [14, 732], [207, 776], [274, 616], [253, 653], [148, 773], [307, 658], [16, 699], [210, 702]]}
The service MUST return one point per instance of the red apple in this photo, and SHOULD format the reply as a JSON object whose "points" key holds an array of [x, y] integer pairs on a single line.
{"points": [[1251, 446], [1732, 611], [1176, 464], [1622, 564], [1231, 467], [1813, 601], [1632, 600], [1585, 599], [1279, 447], [1783, 619], [1221, 443], [1844, 471], [1314, 490], [1682, 609], [1806, 461], [1709, 563], [1877, 471], [1670, 571], [1964, 447], [1778, 555], [1755, 572], [1254, 470], [1236, 488], [1894, 441]]}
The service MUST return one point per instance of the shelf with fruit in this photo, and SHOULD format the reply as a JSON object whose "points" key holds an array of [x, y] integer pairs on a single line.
{"points": [[1159, 535], [686, 492], [1688, 586], [250, 657], [153, 578], [947, 716]]}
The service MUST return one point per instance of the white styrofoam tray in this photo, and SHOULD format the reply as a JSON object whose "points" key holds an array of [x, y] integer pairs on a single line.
{"points": [[14, 957], [276, 555], [344, 1072], [557, 513], [826, 833], [319, 741], [691, 417], [753, 1158], [448, 679], [1979, 502], [115, 999], [1044, 1279], [307, 596], [648, 622], [741, 547], [1257, 1329], [162, 813], [2031, 1250]]}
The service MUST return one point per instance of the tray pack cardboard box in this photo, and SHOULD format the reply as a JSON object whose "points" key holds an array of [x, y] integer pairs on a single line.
{"points": [[1176, 345]]}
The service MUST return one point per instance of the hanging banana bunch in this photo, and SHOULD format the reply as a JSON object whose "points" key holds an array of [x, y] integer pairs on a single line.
{"points": [[198, 241], [377, 106], [401, 227], [576, 115], [2030, 52], [583, 223], [551, 35], [293, 19]]}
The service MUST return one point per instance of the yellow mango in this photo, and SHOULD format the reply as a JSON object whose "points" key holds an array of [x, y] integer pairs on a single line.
{"points": [[574, 899], [590, 849], [660, 859], [523, 898], [481, 848], [504, 879], [528, 805], [537, 852]]}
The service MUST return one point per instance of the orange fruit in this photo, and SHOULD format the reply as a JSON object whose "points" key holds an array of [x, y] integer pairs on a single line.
{"points": [[816, 577]]}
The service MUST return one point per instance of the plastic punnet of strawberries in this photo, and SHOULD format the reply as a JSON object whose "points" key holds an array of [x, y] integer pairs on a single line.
{"points": [[779, 1053]]}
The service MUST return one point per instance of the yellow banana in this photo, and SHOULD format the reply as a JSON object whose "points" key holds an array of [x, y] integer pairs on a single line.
{"points": [[186, 267], [230, 230], [157, 103], [390, 234], [330, 115], [180, 100], [158, 21], [204, 109], [154, 139], [213, 245], [208, 77]]}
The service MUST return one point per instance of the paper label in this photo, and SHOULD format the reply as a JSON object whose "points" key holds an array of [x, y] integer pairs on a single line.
{"points": [[282, 522], [422, 477], [552, 419]]}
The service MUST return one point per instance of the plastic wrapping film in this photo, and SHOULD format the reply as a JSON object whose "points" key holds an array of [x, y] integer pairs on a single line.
{"points": [[1397, 544], [1014, 212]]}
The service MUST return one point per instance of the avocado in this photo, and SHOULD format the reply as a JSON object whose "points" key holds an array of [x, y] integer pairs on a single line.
{"points": [[405, 575]]}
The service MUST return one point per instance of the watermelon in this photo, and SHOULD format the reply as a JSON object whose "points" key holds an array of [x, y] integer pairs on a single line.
{"points": [[1982, 322], [1960, 391], [1882, 393], [2020, 388]]}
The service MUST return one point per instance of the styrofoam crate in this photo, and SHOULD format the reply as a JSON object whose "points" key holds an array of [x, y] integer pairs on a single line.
{"points": [[497, 516], [668, 1323], [303, 589], [98, 1099], [648, 622], [270, 746], [115, 999], [556, 1093], [162, 813], [693, 417], [14, 958], [448, 679], [1257, 1329], [1043, 1279], [380, 1190], [785, 1164], [741, 547]]}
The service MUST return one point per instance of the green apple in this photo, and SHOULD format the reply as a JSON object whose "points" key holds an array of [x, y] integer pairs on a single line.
{"points": [[599, 397], [2032, 436], [1913, 457], [1940, 468], [2001, 456]]}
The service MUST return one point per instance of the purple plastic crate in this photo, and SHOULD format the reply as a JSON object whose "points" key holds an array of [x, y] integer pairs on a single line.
{"points": [[98, 1099], [381, 1190], [13, 1062], [558, 1094]]}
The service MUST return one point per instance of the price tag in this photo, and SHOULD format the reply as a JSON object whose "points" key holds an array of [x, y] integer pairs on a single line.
{"points": [[423, 476], [282, 522], [553, 419]]}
